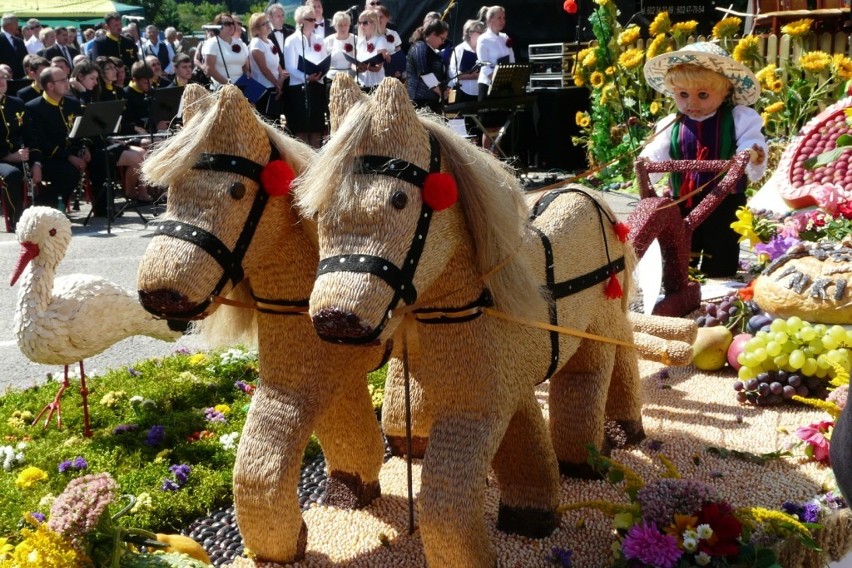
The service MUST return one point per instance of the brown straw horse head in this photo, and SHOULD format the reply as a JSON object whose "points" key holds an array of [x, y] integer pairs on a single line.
{"points": [[344, 94]]}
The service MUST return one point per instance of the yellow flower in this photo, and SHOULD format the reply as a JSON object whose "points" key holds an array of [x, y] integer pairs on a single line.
{"points": [[841, 66], [765, 117], [658, 45], [745, 226], [590, 60], [198, 359], [582, 119], [824, 405], [223, 408], [774, 107], [748, 49], [682, 524], [632, 58], [655, 107], [760, 516], [629, 36], [43, 548], [597, 79], [5, 548], [112, 398], [661, 24], [610, 71], [581, 55], [815, 61], [767, 75], [727, 27], [29, 477], [671, 469], [162, 456], [684, 28], [143, 503], [798, 28], [579, 81], [776, 86], [20, 419], [601, 2]]}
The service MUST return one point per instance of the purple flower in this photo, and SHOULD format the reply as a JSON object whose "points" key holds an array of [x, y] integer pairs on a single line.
{"points": [[213, 415], [651, 547], [64, 466], [80, 463], [133, 372], [155, 435], [664, 373], [661, 499], [834, 501], [181, 473], [810, 513], [776, 247], [124, 428], [169, 485], [655, 445], [183, 351], [560, 556], [38, 516]]}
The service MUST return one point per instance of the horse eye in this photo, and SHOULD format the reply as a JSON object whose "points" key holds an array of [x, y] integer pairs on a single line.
{"points": [[238, 190], [399, 200]]}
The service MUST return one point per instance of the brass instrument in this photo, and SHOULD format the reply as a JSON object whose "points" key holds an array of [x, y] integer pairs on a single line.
{"points": [[28, 179]]}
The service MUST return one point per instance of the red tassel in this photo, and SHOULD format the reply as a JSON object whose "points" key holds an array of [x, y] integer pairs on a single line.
{"points": [[622, 230], [613, 287]]}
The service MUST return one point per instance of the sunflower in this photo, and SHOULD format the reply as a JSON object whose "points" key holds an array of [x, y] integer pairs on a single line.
{"points": [[590, 60], [610, 71], [841, 66], [632, 58], [658, 46], [684, 28], [583, 119], [766, 76], [776, 86], [799, 28], [727, 27], [661, 24], [774, 107], [748, 49], [654, 108], [597, 79], [601, 2], [766, 117], [579, 81], [815, 61], [581, 55], [629, 36]]}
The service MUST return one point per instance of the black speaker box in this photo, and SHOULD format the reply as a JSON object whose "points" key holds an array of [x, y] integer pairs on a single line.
{"points": [[556, 124]]}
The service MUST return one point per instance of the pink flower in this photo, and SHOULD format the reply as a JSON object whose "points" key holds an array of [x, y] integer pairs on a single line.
{"points": [[649, 546], [831, 196], [814, 436], [79, 508]]}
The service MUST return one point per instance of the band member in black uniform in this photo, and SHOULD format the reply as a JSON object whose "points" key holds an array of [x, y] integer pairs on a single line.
{"points": [[14, 151], [135, 117], [33, 65], [114, 43], [52, 116]]}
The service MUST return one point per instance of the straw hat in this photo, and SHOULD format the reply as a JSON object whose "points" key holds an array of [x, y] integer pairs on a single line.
{"points": [[709, 56]]}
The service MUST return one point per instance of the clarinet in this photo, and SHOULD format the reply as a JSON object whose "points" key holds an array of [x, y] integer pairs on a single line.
{"points": [[28, 176]]}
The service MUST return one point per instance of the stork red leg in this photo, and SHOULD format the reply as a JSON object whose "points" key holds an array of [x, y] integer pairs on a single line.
{"points": [[54, 407], [85, 393]]}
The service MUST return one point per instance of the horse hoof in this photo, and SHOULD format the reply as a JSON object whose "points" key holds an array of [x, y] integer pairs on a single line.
{"points": [[578, 470], [301, 546], [633, 429], [399, 447], [622, 433], [681, 302], [523, 521], [346, 491]]}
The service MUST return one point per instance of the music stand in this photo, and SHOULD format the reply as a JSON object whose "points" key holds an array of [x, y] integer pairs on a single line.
{"points": [[508, 80], [99, 120], [165, 104]]}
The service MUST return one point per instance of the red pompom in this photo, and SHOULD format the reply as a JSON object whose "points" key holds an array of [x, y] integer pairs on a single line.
{"points": [[570, 6], [440, 191], [236, 48], [347, 47], [622, 230], [276, 178], [613, 287]]}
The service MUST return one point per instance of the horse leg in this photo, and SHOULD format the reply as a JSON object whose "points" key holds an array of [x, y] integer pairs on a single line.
{"points": [[526, 469], [352, 443], [452, 491], [266, 473], [577, 404], [393, 410], [624, 400]]}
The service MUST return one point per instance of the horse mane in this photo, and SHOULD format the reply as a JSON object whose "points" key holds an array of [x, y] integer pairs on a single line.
{"points": [[489, 196]]}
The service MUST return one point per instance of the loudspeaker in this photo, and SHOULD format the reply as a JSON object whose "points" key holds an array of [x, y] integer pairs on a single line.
{"points": [[556, 124]]}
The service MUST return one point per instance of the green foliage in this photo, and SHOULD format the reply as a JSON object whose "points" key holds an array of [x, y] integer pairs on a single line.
{"points": [[174, 393], [193, 16]]}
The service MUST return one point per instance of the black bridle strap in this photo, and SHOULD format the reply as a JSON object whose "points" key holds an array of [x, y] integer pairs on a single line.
{"points": [[580, 283], [375, 265], [229, 163]]}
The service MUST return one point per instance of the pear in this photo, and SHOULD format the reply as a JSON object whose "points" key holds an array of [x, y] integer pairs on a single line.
{"points": [[710, 349]]}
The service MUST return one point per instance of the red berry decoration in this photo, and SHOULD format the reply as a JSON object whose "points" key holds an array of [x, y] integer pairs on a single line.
{"points": [[570, 6], [236, 48], [317, 47], [370, 48], [347, 47]]}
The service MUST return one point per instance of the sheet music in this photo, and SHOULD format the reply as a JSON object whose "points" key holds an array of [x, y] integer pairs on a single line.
{"points": [[430, 80]]}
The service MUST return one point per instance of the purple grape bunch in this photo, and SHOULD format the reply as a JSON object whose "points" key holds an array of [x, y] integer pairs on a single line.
{"points": [[776, 387]]}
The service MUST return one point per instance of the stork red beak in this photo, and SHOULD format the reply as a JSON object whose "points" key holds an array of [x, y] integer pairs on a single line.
{"points": [[29, 251]]}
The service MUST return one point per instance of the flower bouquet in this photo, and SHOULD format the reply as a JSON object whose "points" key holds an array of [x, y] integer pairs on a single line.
{"points": [[673, 523]]}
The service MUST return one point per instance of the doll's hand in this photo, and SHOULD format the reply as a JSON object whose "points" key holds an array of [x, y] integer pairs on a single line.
{"points": [[757, 155]]}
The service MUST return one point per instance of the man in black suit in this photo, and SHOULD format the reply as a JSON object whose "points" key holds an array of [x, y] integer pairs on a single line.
{"points": [[12, 48], [114, 44], [61, 47], [323, 26], [15, 140], [280, 30], [52, 116]]}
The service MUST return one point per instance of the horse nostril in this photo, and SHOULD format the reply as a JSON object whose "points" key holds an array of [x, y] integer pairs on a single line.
{"points": [[164, 301], [332, 323]]}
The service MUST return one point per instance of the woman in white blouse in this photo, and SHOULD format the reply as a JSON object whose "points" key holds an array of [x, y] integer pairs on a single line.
{"points": [[492, 46], [342, 42], [306, 102], [225, 54], [465, 81], [370, 43], [264, 65], [391, 37]]}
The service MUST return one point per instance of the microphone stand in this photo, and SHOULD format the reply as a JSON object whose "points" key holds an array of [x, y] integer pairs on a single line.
{"points": [[305, 85]]}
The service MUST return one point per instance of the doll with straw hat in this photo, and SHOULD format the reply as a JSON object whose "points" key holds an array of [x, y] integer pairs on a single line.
{"points": [[713, 121]]}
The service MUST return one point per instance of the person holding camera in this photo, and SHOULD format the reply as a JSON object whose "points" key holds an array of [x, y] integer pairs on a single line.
{"points": [[225, 55]]}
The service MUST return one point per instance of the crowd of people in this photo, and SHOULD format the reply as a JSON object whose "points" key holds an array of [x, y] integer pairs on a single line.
{"points": [[49, 75]]}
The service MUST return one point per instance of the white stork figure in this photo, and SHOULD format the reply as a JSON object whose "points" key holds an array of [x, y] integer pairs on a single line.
{"points": [[61, 321]]}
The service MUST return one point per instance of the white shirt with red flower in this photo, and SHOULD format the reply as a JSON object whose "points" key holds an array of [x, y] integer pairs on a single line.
{"points": [[269, 57], [490, 47], [295, 46], [230, 56], [366, 48], [337, 48]]}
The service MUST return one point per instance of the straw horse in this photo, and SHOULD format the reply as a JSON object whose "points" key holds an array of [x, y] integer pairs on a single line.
{"points": [[391, 229], [230, 230]]}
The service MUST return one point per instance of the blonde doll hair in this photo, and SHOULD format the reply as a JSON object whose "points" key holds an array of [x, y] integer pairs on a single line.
{"points": [[692, 76]]}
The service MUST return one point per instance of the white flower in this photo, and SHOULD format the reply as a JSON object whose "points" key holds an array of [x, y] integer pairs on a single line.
{"points": [[229, 441], [702, 559], [704, 531], [21, 446], [143, 501], [10, 457], [689, 544], [136, 399], [690, 534], [47, 501], [629, 101]]}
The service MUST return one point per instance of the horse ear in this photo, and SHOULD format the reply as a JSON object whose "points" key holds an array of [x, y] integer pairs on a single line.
{"points": [[237, 128], [196, 99], [397, 113], [344, 94]]}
